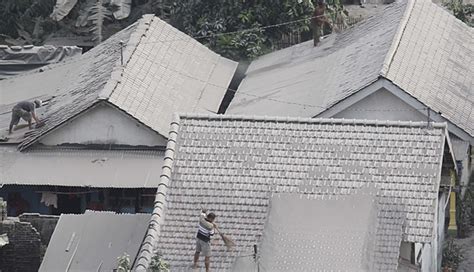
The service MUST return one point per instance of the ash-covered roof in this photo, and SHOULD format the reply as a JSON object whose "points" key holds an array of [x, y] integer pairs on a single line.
{"points": [[233, 164], [78, 167], [163, 71], [93, 241], [417, 45], [328, 233]]}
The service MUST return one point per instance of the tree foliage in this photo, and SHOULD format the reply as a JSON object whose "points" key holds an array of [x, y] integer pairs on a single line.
{"points": [[247, 21], [206, 18], [463, 12], [25, 20]]}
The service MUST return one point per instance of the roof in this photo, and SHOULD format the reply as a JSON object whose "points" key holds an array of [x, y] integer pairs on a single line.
{"points": [[163, 71], [81, 167], [322, 240], [93, 241], [232, 165], [435, 67]]}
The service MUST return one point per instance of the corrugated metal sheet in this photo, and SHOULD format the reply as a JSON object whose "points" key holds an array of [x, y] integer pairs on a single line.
{"points": [[81, 168], [233, 164], [93, 241]]}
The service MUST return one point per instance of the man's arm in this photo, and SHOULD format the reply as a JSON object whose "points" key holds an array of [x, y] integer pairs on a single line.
{"points": [[203, 221], [33, 114], [10, 127]]}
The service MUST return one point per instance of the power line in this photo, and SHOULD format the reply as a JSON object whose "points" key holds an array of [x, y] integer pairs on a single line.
{"points": [[241, 31]]}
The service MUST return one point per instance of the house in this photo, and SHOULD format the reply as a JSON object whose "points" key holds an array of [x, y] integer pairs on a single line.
{"points": [[413, 61], [106, 120], [93, 241], [235, 165]]}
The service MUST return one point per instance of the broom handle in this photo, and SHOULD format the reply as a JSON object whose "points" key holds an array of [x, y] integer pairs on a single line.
{"points": [[218, 231]]}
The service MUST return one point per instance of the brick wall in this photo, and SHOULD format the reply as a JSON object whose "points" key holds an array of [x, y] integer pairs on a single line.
{"points": [[44, 224], [23, 253]]}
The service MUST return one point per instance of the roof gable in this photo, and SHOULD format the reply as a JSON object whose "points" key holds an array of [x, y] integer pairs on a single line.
{"points": [[104, 124], [250, 158]]}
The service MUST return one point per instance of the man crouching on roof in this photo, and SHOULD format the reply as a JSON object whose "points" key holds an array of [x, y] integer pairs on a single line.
{"points": [[25, 110], [203, 238]]}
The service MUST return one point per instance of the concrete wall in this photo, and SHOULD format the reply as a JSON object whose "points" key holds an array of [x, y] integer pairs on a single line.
{"points": [[104, 125]]}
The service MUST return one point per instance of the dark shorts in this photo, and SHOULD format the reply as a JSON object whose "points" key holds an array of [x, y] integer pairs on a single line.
{"points": [[18, 113]]}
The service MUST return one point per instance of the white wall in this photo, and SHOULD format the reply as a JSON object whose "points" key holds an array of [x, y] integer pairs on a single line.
{"points": [[104, 124], [381, 105], [427, 259], [441, 227], [431, 254]]}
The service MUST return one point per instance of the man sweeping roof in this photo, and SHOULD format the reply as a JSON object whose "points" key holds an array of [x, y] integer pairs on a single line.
{"points": [[25, 110], [203, 238]]}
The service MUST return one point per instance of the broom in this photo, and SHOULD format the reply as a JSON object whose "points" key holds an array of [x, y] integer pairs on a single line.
{"points": [[228, 242]]}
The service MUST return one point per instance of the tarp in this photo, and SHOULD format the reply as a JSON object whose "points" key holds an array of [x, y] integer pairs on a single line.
{"points": [[15, 60]]}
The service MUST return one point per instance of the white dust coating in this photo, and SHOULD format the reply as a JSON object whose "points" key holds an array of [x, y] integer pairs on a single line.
{"points": [[304, 234]]}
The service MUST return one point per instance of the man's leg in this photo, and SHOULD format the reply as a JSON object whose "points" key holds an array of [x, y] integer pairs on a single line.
{"points": [[27, 117], [196, 259], [15, 120], [207, 262], [316, 33]]}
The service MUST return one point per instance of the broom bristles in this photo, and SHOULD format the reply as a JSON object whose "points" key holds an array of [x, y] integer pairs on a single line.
{"points": [[228, 242]]}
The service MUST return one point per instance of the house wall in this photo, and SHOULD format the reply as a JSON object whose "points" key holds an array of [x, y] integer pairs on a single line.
{"points": [[104, 124], [431, 254], [427, 256], [443, 198], [381, 105]]}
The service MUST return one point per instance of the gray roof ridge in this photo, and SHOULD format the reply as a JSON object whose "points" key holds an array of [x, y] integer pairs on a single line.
{"points": [[128, 51], [397, 38], [311, 120], [143, 258]]}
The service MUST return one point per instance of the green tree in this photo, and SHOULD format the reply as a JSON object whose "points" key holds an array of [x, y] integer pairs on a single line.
{"points": [[463, 12], [25, 20], [205, 19]]}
